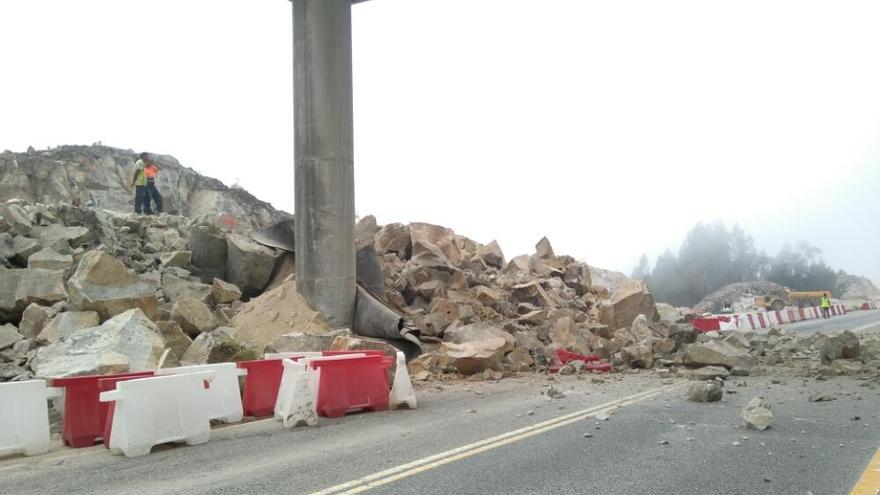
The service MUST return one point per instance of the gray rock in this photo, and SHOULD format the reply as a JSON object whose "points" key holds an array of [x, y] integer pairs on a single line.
{"points": [[16, 218], [224, 292], [821, 397], [126, 342], [33, 319], [176, 288], [175, 338], [193, 316], [720, 354], [9, 335], [704, 373], [208, 248], [705, 392], [61, 238], [306, 342], [491, 255], [248, 264], [19, 288], [842, 346], [102, 283], [757, 413], [6, 249], [68, 322], [49, 259], [23, 248], [180, 259], [219, 346]]}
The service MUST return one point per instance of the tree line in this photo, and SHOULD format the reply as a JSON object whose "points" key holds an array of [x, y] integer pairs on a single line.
{"points": [[713, 256]]}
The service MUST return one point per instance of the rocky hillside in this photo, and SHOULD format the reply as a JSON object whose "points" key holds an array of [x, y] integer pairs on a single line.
{"points": [[855, 288], [99, 177]]}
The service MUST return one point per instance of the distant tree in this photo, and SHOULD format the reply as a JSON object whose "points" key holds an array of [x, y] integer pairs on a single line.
{"points": [[711, 257], [641, 271]]}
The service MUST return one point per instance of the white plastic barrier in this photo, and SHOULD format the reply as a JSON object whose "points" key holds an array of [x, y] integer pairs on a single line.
{"points": [[162, 409], [402, 390], [291, 355], [224, 394], [298, 395], [297, 400], [24, 417]]}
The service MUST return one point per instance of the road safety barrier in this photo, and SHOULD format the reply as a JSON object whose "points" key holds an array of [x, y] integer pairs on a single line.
{"points": [[349, 384], [24, 417], [162, 409], [134, 411], [402, 393], [224, 393], [592, 362], [85, 416], [761, 319], [287, 385]]}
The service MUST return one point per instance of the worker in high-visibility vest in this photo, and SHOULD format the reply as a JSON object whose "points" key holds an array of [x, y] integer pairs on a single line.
{"points": [[826, 306], [139, 182], [151, 168]]}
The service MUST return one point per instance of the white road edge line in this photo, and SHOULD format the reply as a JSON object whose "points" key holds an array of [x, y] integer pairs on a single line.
{"points": [[424, 464]]}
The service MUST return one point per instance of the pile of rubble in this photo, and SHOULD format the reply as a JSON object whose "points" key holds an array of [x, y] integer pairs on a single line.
{"points": [[96, 291]]}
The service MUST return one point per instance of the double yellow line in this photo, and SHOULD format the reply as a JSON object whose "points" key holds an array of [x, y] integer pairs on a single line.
{"points": [[428, 463]]}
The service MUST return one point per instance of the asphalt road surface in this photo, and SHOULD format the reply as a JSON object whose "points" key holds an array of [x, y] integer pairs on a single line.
{"points": [[857, 321], [509, 437]]}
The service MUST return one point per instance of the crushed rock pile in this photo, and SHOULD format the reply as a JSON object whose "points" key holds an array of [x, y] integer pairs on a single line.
{"points": [[88, 290], [738, 296]]}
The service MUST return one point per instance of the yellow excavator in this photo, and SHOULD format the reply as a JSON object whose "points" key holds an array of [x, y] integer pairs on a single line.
{"points": [[801, 299]]}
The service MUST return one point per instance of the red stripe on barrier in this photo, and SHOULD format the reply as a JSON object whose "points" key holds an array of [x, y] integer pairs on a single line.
{"points": [[762, 321]]}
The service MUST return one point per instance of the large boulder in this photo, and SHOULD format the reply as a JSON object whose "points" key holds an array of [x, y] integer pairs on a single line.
{"points": [[66, 323], [208, 248], [193, 316], [102, 283], [19, 288], [175, 339], [34, 319], [630, 301], [218, 346], [248, 265], [224, 292], [637, 356], [705, 392], [475, 356], [564, 333], [277, 312], [394, 238], [543, 249], [718, 353], [23, 248], [49, 259], [491, 254], [424, 235], [479, 331], [61, 238], [306, 342], [9, 335], [842, 346], [127, 342], [757, 414], [176, 288], [181, 259]]}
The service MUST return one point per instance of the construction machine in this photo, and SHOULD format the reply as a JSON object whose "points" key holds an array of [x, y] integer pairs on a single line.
{"points": [[801, 299]]}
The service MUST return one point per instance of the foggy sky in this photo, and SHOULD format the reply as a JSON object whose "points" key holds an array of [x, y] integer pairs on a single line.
{"points": [[610, 127]]}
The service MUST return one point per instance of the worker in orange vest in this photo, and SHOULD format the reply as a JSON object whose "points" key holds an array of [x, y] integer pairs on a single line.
{"points": [[151, 168]]}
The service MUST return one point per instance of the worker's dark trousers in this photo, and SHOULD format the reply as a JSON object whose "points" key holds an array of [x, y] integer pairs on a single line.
{"points": [[153, 193], [826, 313], [142, 200]]}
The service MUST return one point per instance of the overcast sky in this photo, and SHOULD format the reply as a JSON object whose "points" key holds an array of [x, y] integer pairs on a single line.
{"points": [[612, 127]]}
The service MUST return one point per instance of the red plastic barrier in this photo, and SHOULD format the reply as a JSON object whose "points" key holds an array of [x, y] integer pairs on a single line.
{"points": [[261, 386], [704, 325], [353, 384], [590, 361], [84, 414], [566, 357]]}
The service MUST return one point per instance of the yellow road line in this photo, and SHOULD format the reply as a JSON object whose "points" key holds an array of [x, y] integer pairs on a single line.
{"points": [[411, 468], [869, 483]]}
